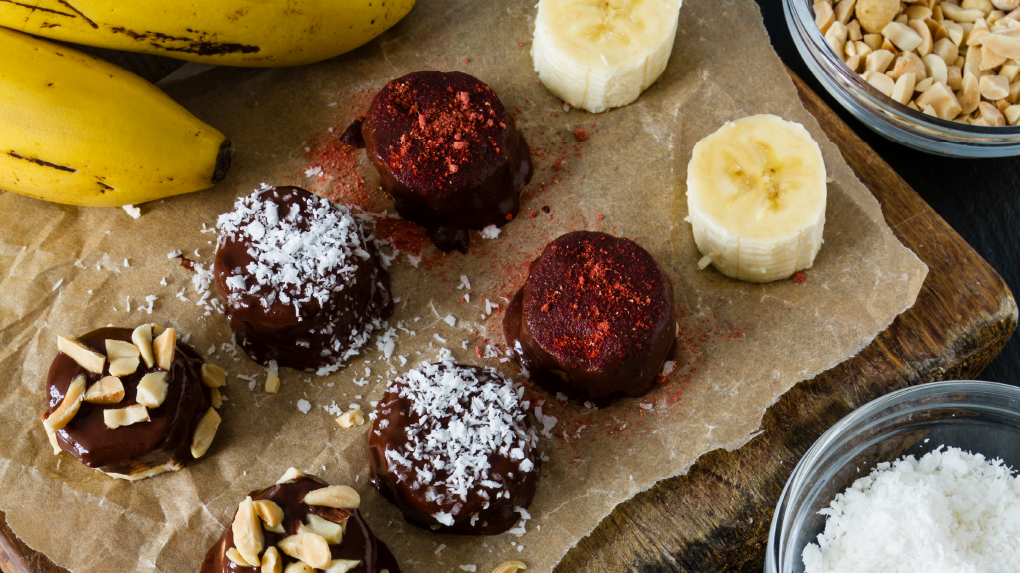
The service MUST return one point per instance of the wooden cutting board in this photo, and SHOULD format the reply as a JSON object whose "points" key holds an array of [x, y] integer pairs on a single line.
{"points": [[716, 518]]}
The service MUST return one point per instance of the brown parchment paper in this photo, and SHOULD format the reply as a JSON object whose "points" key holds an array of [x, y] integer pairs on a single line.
{"points": [[742, 345]]}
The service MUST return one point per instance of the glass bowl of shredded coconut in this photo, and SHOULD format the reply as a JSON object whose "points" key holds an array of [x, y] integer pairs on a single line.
{"points": [[923, 479]]}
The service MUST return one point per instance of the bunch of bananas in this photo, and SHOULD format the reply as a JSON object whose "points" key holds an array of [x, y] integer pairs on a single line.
{"points": [[77, 130]]}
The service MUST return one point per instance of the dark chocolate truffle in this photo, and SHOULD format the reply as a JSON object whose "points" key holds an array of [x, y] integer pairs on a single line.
{"points": [[140, 422], [303, 287], [452, 448], [594, 319], [356, 542], [448, 154]]}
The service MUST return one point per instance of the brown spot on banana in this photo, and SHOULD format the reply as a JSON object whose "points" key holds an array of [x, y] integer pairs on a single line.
{"points": [[41, 162], [78, 12], [38, 9], [190, 45]]}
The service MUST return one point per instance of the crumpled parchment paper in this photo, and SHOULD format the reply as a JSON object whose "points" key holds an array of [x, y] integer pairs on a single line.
{"points": [[67, 270]]}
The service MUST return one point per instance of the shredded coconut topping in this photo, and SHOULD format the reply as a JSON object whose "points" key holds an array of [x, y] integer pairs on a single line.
{"points": [[950, 511], [303, 254], [463, 419]]}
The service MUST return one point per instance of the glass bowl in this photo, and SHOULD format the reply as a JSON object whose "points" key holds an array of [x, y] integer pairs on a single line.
{"points": [[980, 417], [887, 117]]}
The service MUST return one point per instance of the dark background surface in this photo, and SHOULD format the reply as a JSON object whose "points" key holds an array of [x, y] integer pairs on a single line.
{"points": [[980, 198]]}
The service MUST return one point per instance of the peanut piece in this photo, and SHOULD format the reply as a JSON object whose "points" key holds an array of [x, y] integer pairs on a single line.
{"points": [[1012, 114], [204, 433], [342, 565], [970, 93], [876, 14], [125, 416], [990, 115], [942, 100], [878, 61], [509, 567], [152, 389], [824, 17], [163, 348], [290, 474], [1006, 5], [109, 390], [907, 63], [926, 41], [960, 15], [142, 337], [247, 531], [935, 67], [309, 548], [272, 382], [843, 10], [269, 512], [271, 561], [351, 418], [994, 87], [68, 407], [985, 6], [213, 376], [215, 398], [333, 533], [234, 555], [902, 36], [881, 82], [903, 91], [338, 496], [298, 567], [85, 357]]}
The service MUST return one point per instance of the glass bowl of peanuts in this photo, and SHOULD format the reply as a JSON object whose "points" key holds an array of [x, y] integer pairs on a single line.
{"points": [[941, 76]]}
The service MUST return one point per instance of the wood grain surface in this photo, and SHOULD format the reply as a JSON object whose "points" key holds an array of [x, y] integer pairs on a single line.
{"points": [[716, 518]]}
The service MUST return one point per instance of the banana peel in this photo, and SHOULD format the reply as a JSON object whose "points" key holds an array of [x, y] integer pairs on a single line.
{"points": [[263, 33], [75, 129]]}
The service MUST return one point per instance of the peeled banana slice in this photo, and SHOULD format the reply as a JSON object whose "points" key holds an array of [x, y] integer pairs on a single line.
{"points": [[600, 54], [756, 191]]}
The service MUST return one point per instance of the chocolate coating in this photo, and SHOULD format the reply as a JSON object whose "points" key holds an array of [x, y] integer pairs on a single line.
{"points": [[127, 450], [358, 542], [594, 319], [448, 154], [317, 333], [482, 511]]}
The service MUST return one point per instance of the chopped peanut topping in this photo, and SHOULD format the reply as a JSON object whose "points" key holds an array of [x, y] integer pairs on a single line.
{"points": [[109, 390], [85, 357], [163, 348], [68, 407], [247, 531], [213, 376], [509, 567], [204, 433], [338, 496], [125, 416], [152, 389]]}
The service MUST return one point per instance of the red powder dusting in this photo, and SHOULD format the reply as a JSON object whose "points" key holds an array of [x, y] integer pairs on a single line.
{"points": [[599, 217], [520, 43], [580, 134], [466, 61], [799, 278]]}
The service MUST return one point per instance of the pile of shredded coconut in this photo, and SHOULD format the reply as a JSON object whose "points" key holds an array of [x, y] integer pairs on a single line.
{"points": [[303, 254], [950, 511], [463, 421]]}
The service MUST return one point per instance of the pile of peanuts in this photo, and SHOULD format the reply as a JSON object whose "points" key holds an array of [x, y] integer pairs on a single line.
{"points": [[953, 59]]}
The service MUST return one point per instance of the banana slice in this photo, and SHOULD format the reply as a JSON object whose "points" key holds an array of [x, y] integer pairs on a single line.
{"points": [[756, 193], [599, 54]]}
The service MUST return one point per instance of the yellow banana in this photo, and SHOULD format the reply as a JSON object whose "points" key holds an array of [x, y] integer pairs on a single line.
{"points": [[255, 33], [77, 130]]}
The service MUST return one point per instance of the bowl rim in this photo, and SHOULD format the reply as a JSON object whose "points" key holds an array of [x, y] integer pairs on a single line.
{"points": [[799, 11], [839, 428]]}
